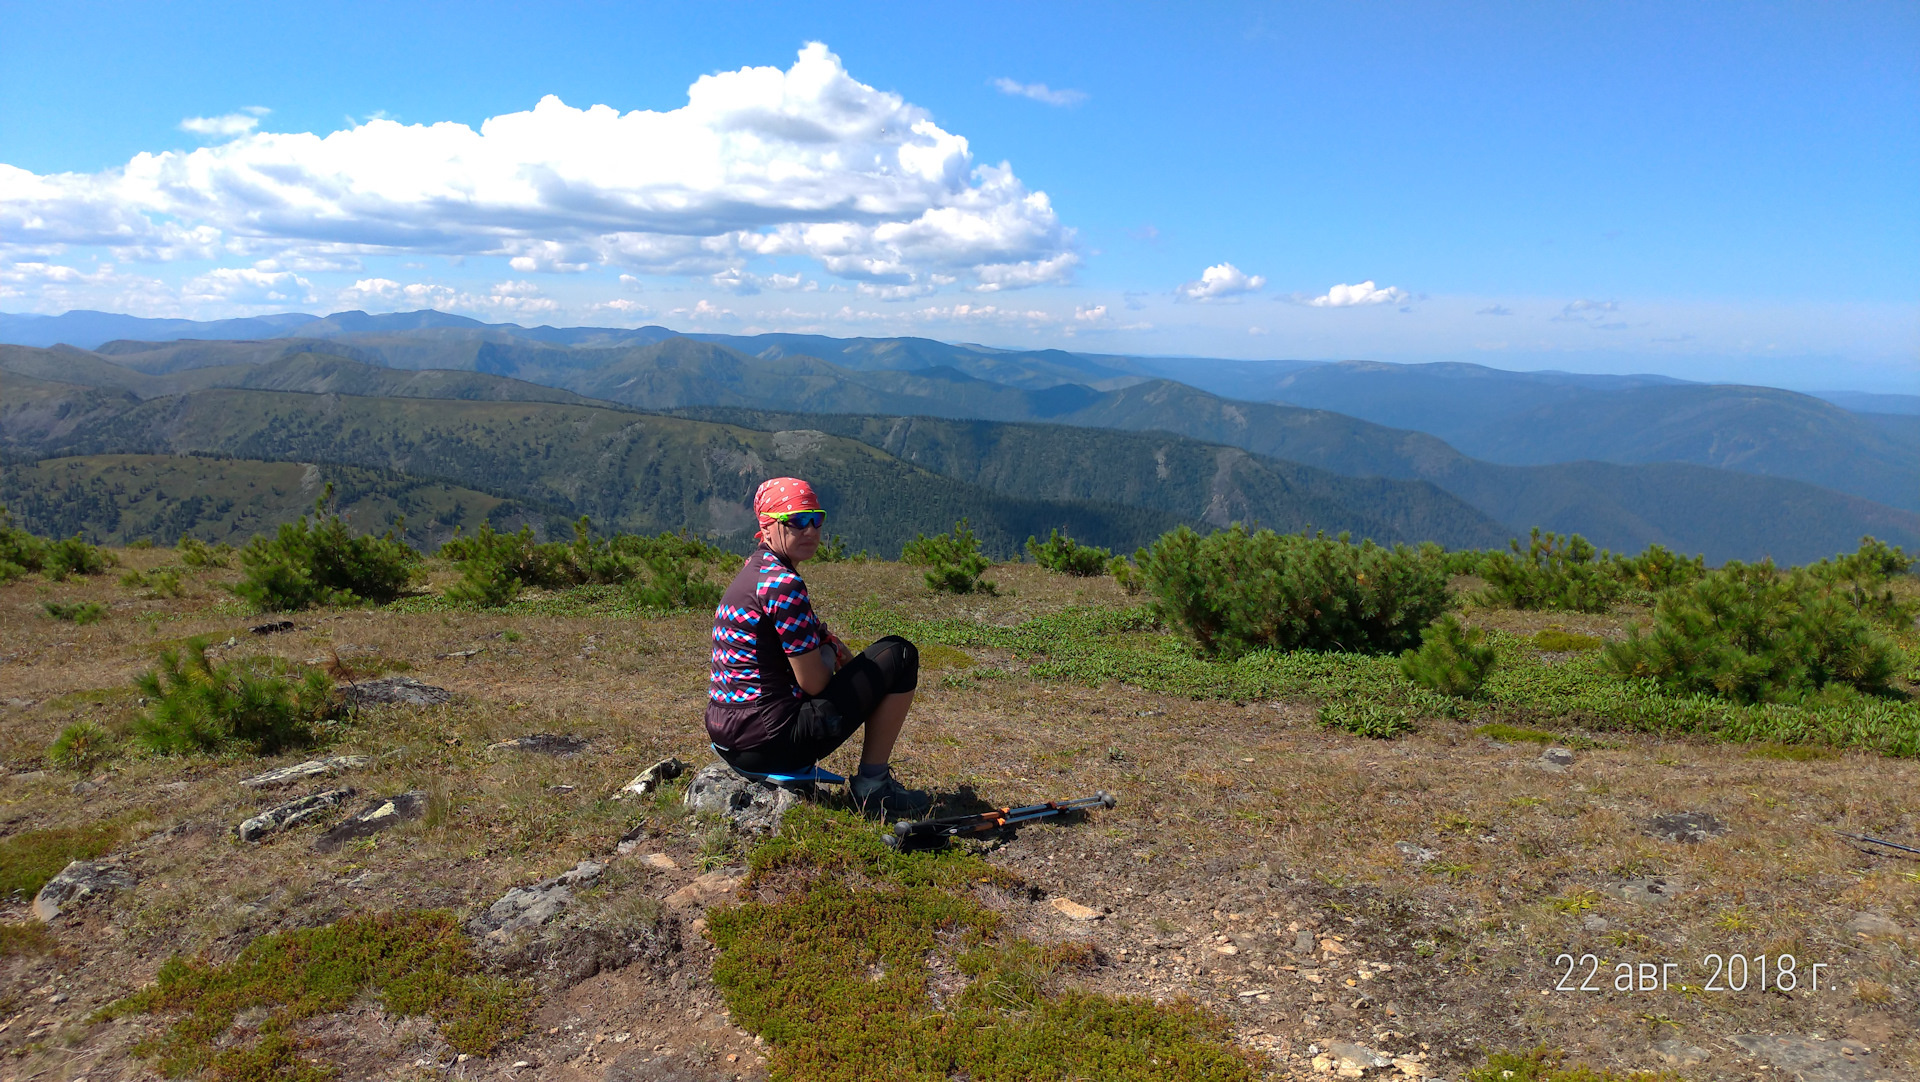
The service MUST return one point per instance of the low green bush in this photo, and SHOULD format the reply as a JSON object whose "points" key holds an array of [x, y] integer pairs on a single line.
{"points": [[664, 572], [1552, 572], [412, 963], [1557, 641], [198, 555], [1233, 592], [1657, 569], [1069, 557], [80, 745], [953, 561], [75, 612], [1751, 633], [1377, 721], [1863, 578], [159, 582], [1127, 574], [23, 553], [1451, 660], [258, 703], [324, 563]]}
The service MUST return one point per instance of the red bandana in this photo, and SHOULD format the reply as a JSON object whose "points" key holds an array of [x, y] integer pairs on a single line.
{"points": [[780, 495]]}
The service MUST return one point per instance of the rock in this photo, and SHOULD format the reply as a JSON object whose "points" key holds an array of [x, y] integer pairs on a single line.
{"points": [[273, 628], [1562, 757], [1073, 910], [541, 744], [1872, 926], [530, 907], [1350, 1060], [27, 776], [374, 818], [395, 690], [76, 882], [753, 806], [1303, 942], [714, 886], [1680, 1053], [1642, 891], [1807, 1060], [475, 652], [660, 861], [650, 779], [1414, 854], [1595, 923], [313, 768], [293, 813], [1687, 827]]}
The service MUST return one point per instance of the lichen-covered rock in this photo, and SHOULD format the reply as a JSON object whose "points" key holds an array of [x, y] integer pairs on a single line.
{"points": [[530, 907], [312, 768], [753, 806], [293, 813], [374, 818], [75, 883], [1687, 827], [651, 778], [395, 690], [542, 744]]}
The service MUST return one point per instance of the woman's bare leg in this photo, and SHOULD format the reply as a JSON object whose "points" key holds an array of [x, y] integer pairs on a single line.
{"points": [[883, 728]]}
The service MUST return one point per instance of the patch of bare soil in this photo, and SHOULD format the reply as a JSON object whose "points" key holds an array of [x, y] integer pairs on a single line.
{"points": [[1431, 898]]}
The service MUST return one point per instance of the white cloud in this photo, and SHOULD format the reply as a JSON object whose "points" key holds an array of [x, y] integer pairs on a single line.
{"points": [[387, 292], [247, 287], [703, 312], [1345, 296], [1600, 315], [759, 162], [1086, 314], [1039, 92], [230, 125], [1219, 281], [1495, 310]]}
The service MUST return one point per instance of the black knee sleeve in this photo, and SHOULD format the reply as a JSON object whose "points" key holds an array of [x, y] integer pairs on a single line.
{"points": [[903, 663]]}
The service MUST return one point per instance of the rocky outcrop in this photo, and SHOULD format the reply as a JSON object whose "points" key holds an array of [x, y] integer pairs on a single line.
{"points": [[293, 813], [541, 744], [313, 768], [374, 818], [529, 907], [753, 806], [75, 884], [395, 691]]}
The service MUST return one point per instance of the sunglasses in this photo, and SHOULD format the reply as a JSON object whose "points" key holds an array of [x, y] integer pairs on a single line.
{"points": [[801, 520]]}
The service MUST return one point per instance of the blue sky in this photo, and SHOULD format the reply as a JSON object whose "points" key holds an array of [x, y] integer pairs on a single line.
{"points": [[1715, 191]]}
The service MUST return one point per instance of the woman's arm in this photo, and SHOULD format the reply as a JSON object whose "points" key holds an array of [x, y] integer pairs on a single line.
{"points": [[813, 669]]}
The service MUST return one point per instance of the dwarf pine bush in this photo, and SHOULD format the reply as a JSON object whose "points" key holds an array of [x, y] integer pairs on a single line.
{"points": [[79, 746], [75, 612], [195, 705], [22, 553], [1451, 660], [1552, 572], [660, 572], [1069, 557], [323, 563], [953, 560], [198, 555], [1233, 592], [1658, 569], [1751, 633]]}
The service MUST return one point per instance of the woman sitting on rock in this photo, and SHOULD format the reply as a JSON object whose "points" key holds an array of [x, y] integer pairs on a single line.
{"points": [[786, 691]]}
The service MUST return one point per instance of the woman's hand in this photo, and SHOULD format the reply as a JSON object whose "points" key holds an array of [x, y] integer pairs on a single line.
{"points": [[841, 655]]}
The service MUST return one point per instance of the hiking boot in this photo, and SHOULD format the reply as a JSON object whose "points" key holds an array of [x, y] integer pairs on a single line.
{"points": [[885, 796]]}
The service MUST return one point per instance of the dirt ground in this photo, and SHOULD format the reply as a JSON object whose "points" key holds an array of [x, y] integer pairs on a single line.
{"points": [[1434, 898]]}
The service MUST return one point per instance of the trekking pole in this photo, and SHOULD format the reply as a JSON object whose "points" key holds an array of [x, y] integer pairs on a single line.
{"points": [[1878, 841], [933, 831]]}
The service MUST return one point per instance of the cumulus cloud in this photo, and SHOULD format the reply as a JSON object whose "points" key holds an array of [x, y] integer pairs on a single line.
{"points": [[1345, 296], [759, 162], [1040, 92], [230, 125], [248, 287], [1218, 281]]}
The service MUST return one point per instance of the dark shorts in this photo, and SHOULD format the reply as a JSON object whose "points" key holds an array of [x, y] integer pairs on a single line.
{"points": [[825, 721]]}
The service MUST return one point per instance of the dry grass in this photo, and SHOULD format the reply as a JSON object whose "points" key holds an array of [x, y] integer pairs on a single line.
{"points": [[1246, 821]]}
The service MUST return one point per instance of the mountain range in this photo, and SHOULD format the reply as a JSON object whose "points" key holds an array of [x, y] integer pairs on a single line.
{"points": [[1625, 460]]}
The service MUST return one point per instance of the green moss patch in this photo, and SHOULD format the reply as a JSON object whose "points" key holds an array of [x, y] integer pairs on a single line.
{"points": [[878, 965], [1559, 641], [30, 858], [1545, 1065], [417, 963]]}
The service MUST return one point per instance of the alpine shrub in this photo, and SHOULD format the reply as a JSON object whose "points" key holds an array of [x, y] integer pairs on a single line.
{"points": [[1553, 572], [659, 571], [1234, 591], [1658, 569], [1069, 557], [1862, 578], [1751, 633], [75, 612], [1127, 572], [80, 745], [1451, 659], [159, 582], [952, 560], [195, 705], [199, 555], [22, 553], [324, 564]]}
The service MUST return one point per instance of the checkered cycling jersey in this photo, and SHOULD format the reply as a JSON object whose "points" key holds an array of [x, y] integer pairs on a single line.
{"points": [[763, 618]]}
